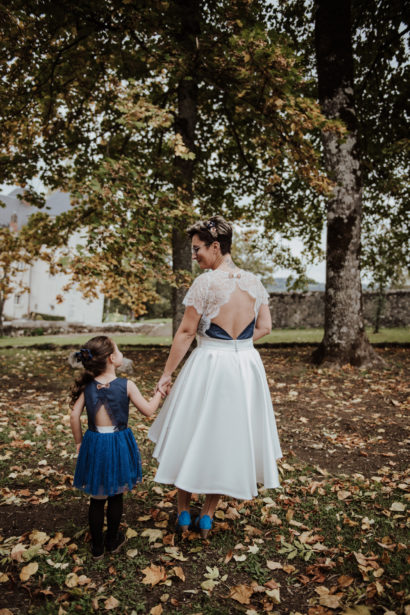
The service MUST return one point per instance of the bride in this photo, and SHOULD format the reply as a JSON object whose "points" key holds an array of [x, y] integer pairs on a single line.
{"points": [[216, 433]]}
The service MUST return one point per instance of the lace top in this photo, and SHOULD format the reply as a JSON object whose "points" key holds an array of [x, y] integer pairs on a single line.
{"points": [[211, 290]]}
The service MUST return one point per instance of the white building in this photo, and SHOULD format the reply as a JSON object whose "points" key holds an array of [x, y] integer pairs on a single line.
{"points": [[43, 288]]}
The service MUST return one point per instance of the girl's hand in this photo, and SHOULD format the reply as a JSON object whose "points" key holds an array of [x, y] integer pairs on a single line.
{"points": [[163, 383], [78, 446]]}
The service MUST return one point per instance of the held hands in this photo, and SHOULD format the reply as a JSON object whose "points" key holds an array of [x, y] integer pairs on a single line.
{"points": [[164, 385]]}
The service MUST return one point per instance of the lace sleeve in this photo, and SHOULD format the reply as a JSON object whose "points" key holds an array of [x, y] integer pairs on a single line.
{"points": [[197, 294]]}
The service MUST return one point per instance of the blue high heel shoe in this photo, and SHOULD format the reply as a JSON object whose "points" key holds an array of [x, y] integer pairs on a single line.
{"points": [[204, 524], [184, 520]]}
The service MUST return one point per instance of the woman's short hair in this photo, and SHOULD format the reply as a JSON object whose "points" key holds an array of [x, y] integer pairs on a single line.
{"points": [[213, 229]]}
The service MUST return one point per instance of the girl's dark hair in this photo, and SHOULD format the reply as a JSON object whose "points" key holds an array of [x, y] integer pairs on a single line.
{"points": [[93, 355], [214, 229]]}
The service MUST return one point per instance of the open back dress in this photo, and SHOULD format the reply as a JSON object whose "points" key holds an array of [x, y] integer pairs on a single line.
{"points": [[216, 431]]}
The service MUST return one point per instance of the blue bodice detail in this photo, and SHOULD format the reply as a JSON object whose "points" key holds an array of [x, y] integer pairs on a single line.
{"points": [[113, 396], [217, 332]]}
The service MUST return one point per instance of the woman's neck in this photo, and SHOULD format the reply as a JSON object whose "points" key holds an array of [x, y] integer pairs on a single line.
{"points": [[225, 263]]}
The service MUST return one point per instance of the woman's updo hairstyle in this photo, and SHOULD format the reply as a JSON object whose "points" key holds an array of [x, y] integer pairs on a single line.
{"points": [[214, 229], [93, 357]]}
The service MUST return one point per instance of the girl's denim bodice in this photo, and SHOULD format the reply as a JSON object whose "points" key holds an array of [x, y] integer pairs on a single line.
{"points": [[113, 396]]}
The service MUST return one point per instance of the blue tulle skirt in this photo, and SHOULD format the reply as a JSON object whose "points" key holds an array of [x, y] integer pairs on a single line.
{"points": [[108, 463]]}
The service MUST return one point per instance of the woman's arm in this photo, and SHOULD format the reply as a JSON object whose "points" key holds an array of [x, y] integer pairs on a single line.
{"points": [[180, 345], [75, 421], [263, 324], [145, 407]]}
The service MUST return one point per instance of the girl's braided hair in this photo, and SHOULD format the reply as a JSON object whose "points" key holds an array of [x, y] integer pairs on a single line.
{"points": [[93, 355]]}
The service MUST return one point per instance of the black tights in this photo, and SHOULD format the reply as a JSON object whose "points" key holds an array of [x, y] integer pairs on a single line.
{"points": [[96, 518]]}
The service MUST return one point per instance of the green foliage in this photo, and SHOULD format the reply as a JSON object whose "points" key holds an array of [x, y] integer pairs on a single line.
{"points": [[101, 121]]}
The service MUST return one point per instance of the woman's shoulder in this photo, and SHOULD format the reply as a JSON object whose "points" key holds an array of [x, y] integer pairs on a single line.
{"points": [[202, 280]]}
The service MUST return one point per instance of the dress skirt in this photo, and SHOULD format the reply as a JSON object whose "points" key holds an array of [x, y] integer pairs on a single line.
{"points": [[108, 463], [216, 432]]}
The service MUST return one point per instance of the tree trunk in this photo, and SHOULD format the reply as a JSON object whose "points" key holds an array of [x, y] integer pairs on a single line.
{"points": [[344, 340], [185, 122]]}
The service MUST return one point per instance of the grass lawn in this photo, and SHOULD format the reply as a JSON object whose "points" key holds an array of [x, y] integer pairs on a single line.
{"points": [[330, 541], [278, 336]]}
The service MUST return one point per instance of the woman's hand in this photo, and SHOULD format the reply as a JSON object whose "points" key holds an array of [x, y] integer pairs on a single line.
{"points": [[164, 384], [78, 446]]}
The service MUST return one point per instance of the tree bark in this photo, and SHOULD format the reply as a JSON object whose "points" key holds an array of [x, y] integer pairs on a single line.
{"points": [[185, 122], [344, 340]]}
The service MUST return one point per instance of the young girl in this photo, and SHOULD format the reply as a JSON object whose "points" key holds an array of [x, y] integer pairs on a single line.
{"points": [[109, 461]]}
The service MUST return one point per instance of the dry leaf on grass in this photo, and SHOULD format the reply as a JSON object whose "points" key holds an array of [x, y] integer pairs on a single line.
{"points": [[5, 612], [154, 575], [28, 571], [273, 565], [156, 610], [111, 603], [17, 552], [177, 570], [345, 580], [152, 535], [38, 538], [332, 601], [4, 577], [274, 595], [358, 609], [241, 593]]}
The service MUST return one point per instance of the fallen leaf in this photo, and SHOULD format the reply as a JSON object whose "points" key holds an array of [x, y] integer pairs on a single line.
{"points": [[153, 575], [331, 600], [71, 579], [274, 595], [239, 558], [156, 610], [345, 580], [177, 570], [358, 609], [398, 507], [289, 569], [152, 535], [4, 577], [5, 612], [132, 553], [130, 533], [17, 552], [38, 538], [343, 495], [241, 593], [28, 571], [274, 565], [175, 553], [111, 603], [209, 585]]}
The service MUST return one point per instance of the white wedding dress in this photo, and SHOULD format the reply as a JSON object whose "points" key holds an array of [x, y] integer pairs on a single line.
{"points": [[216, 431]]}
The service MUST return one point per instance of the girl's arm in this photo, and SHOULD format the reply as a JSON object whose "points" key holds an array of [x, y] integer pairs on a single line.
{"points": [[263, 324], [75, 420], [145, 407], [182, 341]]}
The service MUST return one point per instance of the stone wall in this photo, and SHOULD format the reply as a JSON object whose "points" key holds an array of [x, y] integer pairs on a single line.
{"points": [[295, 310]]}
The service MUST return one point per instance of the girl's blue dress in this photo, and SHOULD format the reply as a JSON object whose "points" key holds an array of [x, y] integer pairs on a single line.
{"points": [[108, 463]]}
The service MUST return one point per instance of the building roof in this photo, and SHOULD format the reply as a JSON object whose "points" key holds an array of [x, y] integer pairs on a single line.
{"points": [[56, 203]]}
